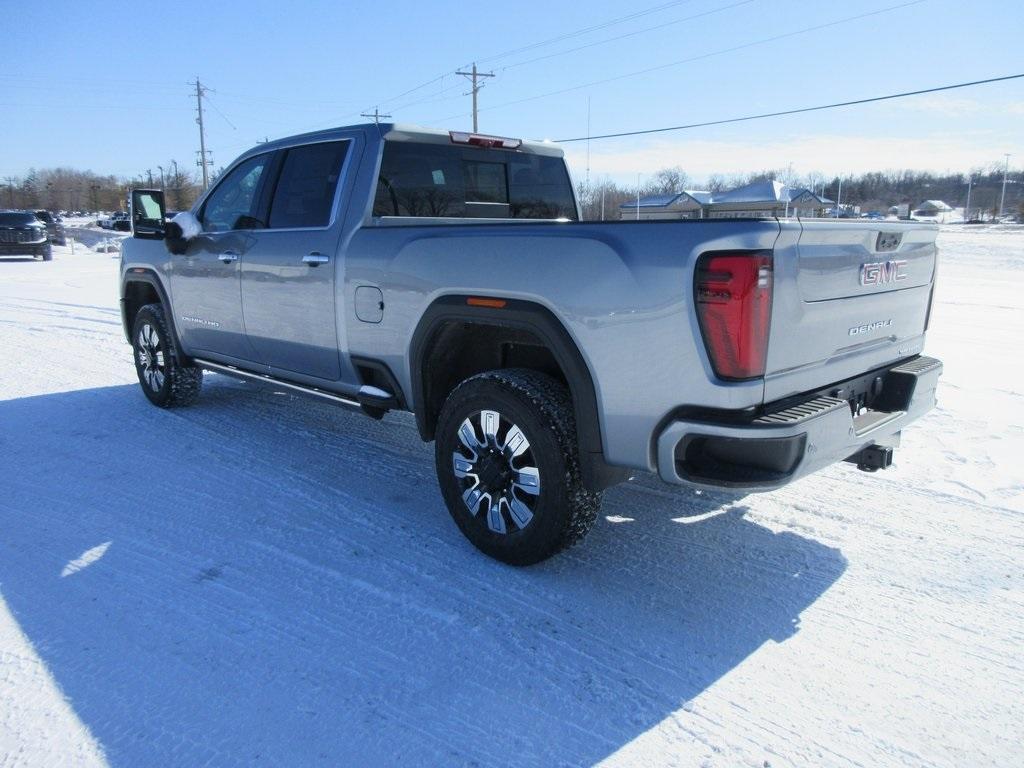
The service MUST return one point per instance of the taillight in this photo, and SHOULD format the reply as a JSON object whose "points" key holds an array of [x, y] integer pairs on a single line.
{"points": [[734, 306]]}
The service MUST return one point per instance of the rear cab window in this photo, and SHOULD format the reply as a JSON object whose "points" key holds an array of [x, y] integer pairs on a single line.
{"points": [[442, 180]]}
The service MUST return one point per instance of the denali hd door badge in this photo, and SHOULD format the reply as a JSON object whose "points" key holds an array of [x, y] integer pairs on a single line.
{"points": [[200, 321], [882, 272]]}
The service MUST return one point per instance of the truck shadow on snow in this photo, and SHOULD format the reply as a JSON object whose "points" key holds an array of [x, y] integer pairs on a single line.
{"points": [[269, 580]]}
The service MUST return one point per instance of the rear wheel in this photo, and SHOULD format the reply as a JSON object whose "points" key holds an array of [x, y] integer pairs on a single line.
{"points": [[508, 466], [164, 380]]}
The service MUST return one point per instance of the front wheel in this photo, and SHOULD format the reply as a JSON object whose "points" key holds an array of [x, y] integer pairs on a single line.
{"points": [[164, 380], [508, 465]]}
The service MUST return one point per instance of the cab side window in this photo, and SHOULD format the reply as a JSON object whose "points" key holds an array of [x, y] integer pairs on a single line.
{"points": [[305, 189], [232, 205]]}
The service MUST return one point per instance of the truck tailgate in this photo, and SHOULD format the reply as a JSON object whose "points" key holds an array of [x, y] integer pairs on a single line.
{"points": [[849, 296]]}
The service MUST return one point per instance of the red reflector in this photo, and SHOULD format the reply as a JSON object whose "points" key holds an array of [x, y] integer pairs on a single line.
{"points": [[479, 140], [734, 306], [476, 301]]}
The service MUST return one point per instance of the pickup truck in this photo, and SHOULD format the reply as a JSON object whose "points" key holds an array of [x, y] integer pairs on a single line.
{"points": [[388, 267]]}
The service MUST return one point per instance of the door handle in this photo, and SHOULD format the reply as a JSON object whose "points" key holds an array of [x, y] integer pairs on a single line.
{"points": [[229, 257], [315, 259]]}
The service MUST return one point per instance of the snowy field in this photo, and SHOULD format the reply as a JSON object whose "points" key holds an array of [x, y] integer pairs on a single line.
{"points": [[267, 580]]}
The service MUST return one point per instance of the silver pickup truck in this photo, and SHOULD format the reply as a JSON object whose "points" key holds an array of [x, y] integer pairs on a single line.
{"points": [[389, 267]]}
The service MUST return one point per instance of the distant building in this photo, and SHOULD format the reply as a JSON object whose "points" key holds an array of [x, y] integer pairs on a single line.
{"points": [[681, 205], [760, 199], [932, 210]]}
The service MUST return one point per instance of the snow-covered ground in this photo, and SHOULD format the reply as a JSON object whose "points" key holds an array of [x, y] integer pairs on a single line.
{"points": [[262, 579]]}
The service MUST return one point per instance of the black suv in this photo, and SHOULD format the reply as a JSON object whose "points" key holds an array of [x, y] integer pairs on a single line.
{"points": [[22, 233], [54, 227]]}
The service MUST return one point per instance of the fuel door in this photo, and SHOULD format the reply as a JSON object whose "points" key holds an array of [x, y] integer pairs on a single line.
{"points": [[369, 304]]}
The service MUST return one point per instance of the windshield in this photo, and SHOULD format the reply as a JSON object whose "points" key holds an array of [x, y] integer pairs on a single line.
{"points": [[440, 180], [15, 219]]}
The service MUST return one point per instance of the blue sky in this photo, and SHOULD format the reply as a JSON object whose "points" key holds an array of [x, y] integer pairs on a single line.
{"points": [[105, 86]]}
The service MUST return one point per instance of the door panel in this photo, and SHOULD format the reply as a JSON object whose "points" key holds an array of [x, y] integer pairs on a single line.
{"points": [[207, 298], [206, 280], [289, 274], [289, 302]]}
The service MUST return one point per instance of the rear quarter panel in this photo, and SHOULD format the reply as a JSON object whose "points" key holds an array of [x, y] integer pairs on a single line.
{"points": [[621, 289]]}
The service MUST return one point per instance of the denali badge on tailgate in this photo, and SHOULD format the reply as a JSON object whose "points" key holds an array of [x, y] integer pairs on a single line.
{"points": [[868, 327], [882, 272]]}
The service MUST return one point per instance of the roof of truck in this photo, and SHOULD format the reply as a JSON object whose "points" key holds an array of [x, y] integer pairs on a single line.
{"points": [[401, 132]]}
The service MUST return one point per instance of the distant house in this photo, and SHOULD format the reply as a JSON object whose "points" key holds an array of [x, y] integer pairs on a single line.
{"points": [[767, 198], [932, 210], [680, 205], [760, 199]]}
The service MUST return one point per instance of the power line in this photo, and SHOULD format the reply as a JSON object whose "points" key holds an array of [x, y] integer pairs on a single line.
{"points": [[616, 38], [793, 111], [533, 46], [585, 30], [690, 59], [215, 109]]}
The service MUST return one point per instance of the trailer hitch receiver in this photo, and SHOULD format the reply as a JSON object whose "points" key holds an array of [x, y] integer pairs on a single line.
{"points": [[872, 458]]}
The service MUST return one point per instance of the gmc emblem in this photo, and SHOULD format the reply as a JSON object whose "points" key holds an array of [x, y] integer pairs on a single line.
{"points": [[883, 272]]}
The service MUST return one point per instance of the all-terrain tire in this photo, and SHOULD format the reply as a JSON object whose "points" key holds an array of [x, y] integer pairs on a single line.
{"points": [[165, 381], [46, 252], [561, 513]]}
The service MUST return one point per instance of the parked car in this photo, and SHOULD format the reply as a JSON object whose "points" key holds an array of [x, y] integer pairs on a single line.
{"points": [[23, 234], [121, 221], [448, 274], [54, 227]]}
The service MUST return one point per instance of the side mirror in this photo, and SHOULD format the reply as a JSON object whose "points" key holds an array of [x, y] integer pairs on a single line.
{"points": [[148, 214]]}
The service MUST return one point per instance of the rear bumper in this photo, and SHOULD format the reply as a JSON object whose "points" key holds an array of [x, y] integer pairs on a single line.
{"points": [[767, 451]]}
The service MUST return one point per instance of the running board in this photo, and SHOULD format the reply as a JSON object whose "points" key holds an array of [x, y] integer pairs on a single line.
{"points": [[239, 373]]}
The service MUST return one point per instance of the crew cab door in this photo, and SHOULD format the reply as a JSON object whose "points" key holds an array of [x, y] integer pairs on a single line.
{"points": [[290, 270], [206, 279]]}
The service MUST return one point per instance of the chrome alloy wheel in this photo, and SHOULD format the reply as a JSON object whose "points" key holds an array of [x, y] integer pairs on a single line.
{"points": [[497, 468], [151, 357]]}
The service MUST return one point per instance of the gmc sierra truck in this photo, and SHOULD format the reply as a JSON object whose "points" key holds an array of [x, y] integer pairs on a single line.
{"points": [[385, 267]]}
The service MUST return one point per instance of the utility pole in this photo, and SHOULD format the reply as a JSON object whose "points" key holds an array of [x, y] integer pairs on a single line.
{"points": [[638, 196], [839, 196], [473, 75], [204, 161], [176, 184], [588, 143], [967, 208], [376, 115], [1002, 198]]}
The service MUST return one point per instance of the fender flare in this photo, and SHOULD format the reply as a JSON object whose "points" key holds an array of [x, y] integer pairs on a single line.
{"points": [[541, 322], [148, 276]]}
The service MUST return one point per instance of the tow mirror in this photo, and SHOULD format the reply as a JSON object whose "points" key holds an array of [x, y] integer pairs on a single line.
{"points": [[148, 214]]}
